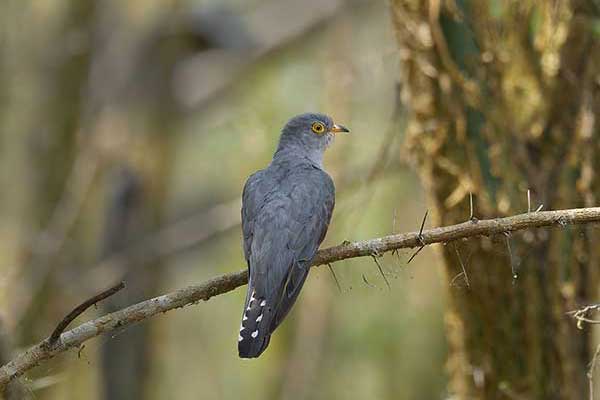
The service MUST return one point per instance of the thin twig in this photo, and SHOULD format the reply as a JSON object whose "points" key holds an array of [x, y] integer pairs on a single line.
{"points": [[415, 254], [337, 283], [472, 213], [590, 373], [529, 203], [423, 225], [395, 251], [581, 315], [364, 278], [452, 282], [420, 238], [510, 256], [381, 271], [75, 337], [462, 266], [80, 309]]}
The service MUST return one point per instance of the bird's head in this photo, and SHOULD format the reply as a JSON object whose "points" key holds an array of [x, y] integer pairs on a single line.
{"points": [[309, 133]]}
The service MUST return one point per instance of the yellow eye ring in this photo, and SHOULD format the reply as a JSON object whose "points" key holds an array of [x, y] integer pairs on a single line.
{"points": [[318, 127]]}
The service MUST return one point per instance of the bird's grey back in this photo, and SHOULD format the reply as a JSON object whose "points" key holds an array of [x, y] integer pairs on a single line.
{"points": [[280, 185]]}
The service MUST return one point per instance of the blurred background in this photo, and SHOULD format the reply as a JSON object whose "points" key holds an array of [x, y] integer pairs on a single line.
{"points": [[127, 132]]}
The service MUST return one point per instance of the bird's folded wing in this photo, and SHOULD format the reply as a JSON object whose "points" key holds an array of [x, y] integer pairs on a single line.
{"points": [[281, 240]]}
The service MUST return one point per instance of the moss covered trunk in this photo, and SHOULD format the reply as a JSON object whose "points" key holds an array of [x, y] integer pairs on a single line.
{"points": [[504, 98]]}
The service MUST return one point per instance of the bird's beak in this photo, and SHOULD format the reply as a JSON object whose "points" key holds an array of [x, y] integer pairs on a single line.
{"points": [[339, 128]]}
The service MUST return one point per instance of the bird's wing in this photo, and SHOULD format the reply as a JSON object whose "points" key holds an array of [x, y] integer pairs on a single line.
{"points": [[254, 197], [313, 200], [283, 228]]}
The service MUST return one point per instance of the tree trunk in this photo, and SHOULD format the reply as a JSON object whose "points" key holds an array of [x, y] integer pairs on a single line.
{"points": [[125, 357], [504, 97]]}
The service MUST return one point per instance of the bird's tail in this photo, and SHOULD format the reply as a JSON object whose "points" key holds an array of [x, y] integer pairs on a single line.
{"points": [[255, 331]]}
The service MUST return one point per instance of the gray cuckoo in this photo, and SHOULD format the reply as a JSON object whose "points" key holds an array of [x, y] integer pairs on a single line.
{"points": [[286, 209]]}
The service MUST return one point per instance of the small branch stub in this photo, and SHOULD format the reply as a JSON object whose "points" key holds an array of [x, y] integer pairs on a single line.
{"points": [[80, 309], [582, 315]]}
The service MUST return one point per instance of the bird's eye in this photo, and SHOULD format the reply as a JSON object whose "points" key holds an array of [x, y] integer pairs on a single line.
{"points": [[318, 127]]}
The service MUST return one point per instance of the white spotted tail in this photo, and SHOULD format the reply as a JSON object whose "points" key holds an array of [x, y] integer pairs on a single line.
{"points": [[254, 333]]}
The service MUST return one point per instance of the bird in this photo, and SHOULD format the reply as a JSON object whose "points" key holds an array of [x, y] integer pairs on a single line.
{"points": [[286, 210]]}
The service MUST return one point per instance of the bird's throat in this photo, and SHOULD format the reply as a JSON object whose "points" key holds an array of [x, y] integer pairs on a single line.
{"points": [[298, 154]]}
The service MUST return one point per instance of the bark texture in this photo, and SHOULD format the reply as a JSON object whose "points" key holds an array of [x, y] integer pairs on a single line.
{"points": [[504, 97]]}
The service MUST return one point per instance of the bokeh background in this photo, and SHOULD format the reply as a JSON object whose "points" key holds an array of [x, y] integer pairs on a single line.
{"points": [[127, 131]]}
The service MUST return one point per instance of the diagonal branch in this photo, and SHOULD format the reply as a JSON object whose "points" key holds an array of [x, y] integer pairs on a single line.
{"points": [[80, 309], [228, 282]]}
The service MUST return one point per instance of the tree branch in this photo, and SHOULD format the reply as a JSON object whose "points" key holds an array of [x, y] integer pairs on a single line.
{"points": [[80, 309], [226, 283]]}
